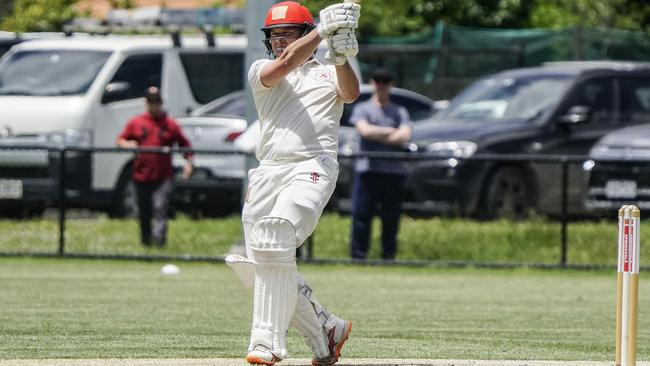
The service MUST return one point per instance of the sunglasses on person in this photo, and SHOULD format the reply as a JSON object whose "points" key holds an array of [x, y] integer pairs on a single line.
{"points": [[154, 100]]}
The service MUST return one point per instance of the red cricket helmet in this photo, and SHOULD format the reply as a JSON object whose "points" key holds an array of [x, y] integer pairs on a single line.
{"points": [[287, 14]]}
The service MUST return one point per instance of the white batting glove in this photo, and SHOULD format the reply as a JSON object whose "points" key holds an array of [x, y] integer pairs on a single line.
{"points": [[344, 42], [334, 17], [334, 58]]}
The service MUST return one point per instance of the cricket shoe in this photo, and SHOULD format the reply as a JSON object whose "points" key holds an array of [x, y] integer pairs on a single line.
{"points": [[261, 355], [336, 338]]}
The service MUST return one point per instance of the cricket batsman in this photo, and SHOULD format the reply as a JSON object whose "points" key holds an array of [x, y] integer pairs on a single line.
{"points": [[299, 102]]}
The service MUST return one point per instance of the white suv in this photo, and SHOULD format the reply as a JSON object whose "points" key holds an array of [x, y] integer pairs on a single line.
{"points": [[79, 91]]}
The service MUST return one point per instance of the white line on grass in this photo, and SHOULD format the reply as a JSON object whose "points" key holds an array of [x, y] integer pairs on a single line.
{"points": [[297, 362]]}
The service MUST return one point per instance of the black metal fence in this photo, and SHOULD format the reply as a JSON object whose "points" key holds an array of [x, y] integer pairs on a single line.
{"points": [[59, 157]]}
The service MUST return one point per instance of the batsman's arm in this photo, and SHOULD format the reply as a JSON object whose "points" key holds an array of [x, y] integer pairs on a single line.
{"points": [[293, 56], [348, 83]]}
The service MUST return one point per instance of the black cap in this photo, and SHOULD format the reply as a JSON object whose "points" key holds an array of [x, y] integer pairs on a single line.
{"points": [[152, 95], [382, 76]]}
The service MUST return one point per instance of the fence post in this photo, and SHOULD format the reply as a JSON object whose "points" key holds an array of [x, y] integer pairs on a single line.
{"points": [[305, 252], [565, 183], [310, 248], [62, 202]]}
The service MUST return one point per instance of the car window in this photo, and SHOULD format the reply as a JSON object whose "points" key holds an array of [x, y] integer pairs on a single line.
{"points": [[417, 109], [140, 71], [50, 72], [236, 106], [635, 102], [597, 94], [508, 99], [212, 75]]}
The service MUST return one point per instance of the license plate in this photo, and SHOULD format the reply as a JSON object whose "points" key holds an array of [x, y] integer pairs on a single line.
{"points": [[620, 189], [11, 189]]}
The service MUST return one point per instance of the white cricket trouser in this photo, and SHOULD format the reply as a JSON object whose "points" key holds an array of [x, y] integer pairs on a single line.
{"points": [[295, 191]]}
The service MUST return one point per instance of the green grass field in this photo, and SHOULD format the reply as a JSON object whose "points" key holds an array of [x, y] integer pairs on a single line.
{"points": [[435, 239], [67, 308]]}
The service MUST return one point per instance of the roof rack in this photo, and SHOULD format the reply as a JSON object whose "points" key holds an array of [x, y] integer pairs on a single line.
{"points": [[173, 30], [6, 35]]}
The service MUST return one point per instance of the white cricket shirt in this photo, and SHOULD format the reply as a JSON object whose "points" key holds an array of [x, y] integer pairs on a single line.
{"points": [[299, 117]]}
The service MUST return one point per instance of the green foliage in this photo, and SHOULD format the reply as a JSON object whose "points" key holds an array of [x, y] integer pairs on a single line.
{"points": [[622, 14], [5, 8], [384, 18], [122, 4], [392, 18], [39, 15]]}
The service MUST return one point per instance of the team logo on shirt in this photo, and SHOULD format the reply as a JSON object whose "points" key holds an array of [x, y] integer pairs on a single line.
{"points": [[322, 74], [315, 177]]}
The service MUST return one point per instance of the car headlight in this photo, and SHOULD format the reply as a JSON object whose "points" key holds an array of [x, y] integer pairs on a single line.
{"points": [[70, 138], [455, 149]]}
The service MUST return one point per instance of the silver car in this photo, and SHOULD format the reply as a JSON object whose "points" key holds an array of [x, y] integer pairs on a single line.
{"points": [[215, 185]]}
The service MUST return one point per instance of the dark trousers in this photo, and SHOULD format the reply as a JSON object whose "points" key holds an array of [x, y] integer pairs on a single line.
{"points": [[372, 193], [153, 203]]}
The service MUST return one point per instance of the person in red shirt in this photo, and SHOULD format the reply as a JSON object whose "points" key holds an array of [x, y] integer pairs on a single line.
{"points": [[153, 172]]}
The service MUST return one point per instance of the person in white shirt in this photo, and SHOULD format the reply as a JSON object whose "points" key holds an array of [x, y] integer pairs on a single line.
{"points": [[299, 102]]}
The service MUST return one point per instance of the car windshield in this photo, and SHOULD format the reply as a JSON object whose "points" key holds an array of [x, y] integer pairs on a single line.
{"points": [[509, 99], [51, 72]]}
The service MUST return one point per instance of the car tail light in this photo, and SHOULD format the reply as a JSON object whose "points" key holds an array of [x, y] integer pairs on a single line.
{"points": [[233, 136]]}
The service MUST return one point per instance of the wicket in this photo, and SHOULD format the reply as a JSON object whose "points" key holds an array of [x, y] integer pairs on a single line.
{"points": [[627, 285]]}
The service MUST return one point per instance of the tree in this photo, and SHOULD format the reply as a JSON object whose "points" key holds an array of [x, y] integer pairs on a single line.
{"points": [[402, 17], [39, 15], [122, 4], [392, 18], [5, 8], [623, 14]]}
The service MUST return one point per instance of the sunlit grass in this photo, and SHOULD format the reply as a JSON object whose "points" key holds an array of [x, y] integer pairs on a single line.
{"points": [[437, 239], [64, 308]]}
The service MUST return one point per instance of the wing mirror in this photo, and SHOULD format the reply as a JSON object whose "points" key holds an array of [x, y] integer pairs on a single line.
{"points": [[116, 91], [576, 114]]}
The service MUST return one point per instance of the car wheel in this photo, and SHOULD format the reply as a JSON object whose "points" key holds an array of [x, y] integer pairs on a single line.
{"points": [[507, 194], [125, 203]]}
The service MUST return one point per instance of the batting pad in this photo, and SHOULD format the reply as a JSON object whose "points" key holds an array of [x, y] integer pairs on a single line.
{"points": [[273, 243], [306, 319], [310, 318], [243, 267]]}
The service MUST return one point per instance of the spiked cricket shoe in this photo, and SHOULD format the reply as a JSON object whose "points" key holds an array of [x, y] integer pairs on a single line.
{"points": [[336, 338], [261, 355]]}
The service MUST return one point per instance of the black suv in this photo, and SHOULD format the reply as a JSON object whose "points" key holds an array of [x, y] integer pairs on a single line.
{"points": [[560, 108]]}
